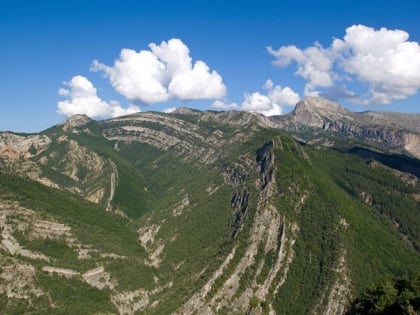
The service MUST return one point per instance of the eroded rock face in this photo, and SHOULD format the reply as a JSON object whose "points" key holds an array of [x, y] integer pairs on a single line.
{"points": [[397, 132], [268, 231], [14, 146], [87, 171], [313, 111], [78, 157], [17, 280], [412, 144], [236, 118], [74, 121], [181, 137]]}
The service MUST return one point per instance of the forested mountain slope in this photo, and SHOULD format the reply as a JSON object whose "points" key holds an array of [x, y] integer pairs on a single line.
{"points": [[198, 213]]}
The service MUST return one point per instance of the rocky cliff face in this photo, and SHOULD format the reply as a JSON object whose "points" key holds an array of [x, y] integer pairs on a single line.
{"points": [[57, 162], [13, 146], [314, 111], [394, 132], [74, 121]]}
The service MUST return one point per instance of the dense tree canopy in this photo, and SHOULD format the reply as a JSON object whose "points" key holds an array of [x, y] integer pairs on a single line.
{"points": [[400, 296]]}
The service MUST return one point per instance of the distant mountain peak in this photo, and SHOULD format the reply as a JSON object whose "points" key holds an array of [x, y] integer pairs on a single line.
{"points": [[319, 105], [186, 111], [75, 121], [313, 111]]}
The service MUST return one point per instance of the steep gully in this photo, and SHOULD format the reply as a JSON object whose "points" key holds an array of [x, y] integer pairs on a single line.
{"points": [[269, 231]]}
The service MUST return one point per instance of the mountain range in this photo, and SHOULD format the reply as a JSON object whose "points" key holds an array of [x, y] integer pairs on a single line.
{"points": [[205, 212]]}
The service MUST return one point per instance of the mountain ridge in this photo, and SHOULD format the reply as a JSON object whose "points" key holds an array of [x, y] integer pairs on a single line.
{"points": [[318, 119], [198, 213]]}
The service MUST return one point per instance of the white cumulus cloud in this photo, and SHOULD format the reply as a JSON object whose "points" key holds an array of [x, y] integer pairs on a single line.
{"points": [[219, 104], [281, 96], [271, 103], [137, 76], [81, 98], [314, 64], [256, 102], [385, 60], [169, 110], [164, 72]]}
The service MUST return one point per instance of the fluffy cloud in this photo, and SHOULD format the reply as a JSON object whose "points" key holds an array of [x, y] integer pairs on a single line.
{"points": [[314, 64], [281, 96], [165, 71], [268, 104], [81, 98], [383, 59], [137, 76], [271, 103], [169, 110], [223, 105], [256, 102]]}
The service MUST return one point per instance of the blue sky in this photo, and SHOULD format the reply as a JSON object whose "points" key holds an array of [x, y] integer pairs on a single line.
{"points": [[62, 57]]}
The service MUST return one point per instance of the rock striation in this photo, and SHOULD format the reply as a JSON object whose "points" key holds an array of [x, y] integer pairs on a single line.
{"points": [[315, 117]]}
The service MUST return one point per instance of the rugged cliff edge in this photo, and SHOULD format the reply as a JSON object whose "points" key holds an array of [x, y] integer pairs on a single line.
{"points": [[315, 118]]}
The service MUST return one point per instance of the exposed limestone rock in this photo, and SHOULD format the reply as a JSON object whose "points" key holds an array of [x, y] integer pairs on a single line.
{"points": [[10, 246], [312, 111], [265, 230], [166, 132], [212, 189], [158, 139], [198, 300], [344, 223], [78, 156], [74, 121], [86, 169], [14, 146], [112, 255], [286, 255], [148, 234], [49, 230], [131, 302], [367, 198], [99, 278], [12, 219], [266, 224], [411, 143], [113, 183], [44, 181], [63, 272], [179, 208], [97, 195], [17, 280], [155, 256], [178, 126], [89, 172], [397, 132], [340, 293], [237, 118]]}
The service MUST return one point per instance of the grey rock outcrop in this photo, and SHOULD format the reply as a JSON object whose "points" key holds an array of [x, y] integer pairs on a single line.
{"points": [[397, 132]]}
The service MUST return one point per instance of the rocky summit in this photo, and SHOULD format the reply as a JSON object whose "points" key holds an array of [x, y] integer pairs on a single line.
{"points": [[317, 119], [209, 212]]}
